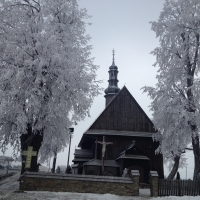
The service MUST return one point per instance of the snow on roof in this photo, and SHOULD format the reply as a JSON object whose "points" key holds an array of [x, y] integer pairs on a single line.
{"points": [[81, 159], [74, 165], [107, 163], [83, 152], [135, 157], [120, 133]]}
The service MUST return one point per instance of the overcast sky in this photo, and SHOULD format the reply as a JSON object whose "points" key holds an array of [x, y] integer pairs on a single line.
{"points": [[122, 25]]}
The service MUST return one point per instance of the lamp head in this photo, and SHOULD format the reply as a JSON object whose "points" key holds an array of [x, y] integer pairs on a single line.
{"points": [[71, 130]]}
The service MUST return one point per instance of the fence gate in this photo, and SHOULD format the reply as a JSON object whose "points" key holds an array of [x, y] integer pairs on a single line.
{"points": [[178, 187]]}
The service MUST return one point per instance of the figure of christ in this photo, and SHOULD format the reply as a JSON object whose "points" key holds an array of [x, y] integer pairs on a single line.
{"points": [[103, 143]]}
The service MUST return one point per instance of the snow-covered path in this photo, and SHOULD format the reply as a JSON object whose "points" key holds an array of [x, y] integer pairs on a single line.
{"points": [[84, 196], [9, 185], [66, 196]]}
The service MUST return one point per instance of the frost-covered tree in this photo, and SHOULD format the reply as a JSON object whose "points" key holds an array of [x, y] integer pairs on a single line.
{"points": [[176, 97], [174, 162], [47, 77]]}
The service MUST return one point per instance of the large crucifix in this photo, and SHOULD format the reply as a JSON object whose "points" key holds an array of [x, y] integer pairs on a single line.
{"points": [[103, 143]]}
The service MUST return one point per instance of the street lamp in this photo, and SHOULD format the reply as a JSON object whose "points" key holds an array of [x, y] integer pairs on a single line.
{"points": [[71, 130]]}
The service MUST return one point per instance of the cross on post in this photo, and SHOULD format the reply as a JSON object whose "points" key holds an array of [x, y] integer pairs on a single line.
{"points": [[29, 153], [103, 143]]}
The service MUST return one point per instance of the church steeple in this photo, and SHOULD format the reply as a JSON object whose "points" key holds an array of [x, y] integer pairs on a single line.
{"points": [[112, 88], [113, 63]]}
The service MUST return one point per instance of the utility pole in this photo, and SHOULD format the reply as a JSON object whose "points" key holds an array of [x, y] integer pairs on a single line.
{"points": [[186, 170], [71, 130]]}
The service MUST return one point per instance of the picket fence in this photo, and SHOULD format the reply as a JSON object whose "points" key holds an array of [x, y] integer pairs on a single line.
{"points": [[178, 187]]}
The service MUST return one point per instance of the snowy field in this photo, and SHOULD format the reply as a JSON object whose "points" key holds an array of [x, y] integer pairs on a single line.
{"points": [[9, 185]]}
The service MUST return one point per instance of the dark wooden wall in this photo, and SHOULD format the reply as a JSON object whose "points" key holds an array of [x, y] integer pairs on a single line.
{"points": [[124, 113], [121, 143]]}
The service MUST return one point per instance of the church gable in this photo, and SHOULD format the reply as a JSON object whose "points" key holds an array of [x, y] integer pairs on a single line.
{"points": [[123, 113]]}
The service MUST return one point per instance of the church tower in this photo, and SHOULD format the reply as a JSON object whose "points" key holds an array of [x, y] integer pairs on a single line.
{"points": [[112, 88]]}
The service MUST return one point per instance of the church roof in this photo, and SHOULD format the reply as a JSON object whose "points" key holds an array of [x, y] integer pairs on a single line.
{"points": [[135, 157], [120, 133], [132, 152], [107, 163], [115, 133], [81, 159], [123, 116], [113, 103], [74, 165], [83, 153]]}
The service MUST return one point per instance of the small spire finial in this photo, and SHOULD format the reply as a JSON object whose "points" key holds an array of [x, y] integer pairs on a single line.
{"points": [[113, 57]]}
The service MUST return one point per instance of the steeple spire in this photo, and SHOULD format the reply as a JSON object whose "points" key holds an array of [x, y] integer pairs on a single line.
{"points": [[113, 63], [112, 88]]}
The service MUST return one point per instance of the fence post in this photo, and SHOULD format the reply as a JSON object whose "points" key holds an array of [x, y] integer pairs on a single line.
{"points": [[153, 183], [198, 183], [135, 177]]}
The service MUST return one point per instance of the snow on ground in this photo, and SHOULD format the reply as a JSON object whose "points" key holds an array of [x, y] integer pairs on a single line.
{"points": [[9, 185], [43, 168], [83, 196], [177, 198]]}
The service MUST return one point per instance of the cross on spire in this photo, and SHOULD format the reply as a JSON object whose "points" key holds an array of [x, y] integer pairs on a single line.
{"points": [[113, 51]]}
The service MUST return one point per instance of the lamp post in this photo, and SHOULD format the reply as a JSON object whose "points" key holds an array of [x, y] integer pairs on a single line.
{"points": [[71, 130]]}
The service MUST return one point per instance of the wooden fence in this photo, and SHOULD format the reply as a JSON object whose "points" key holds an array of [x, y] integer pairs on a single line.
{"points": [[2, 176], [178, 187]]}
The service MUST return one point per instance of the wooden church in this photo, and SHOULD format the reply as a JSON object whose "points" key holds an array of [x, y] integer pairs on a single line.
{"points": [[128, 131]]}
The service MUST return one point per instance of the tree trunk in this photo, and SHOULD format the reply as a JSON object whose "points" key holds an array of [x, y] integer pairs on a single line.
{"points": [[7, 168], [191, 66], [195, 144], [54, 162], [194, 129], [175, 168], [196, 152], [34, 140]]}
